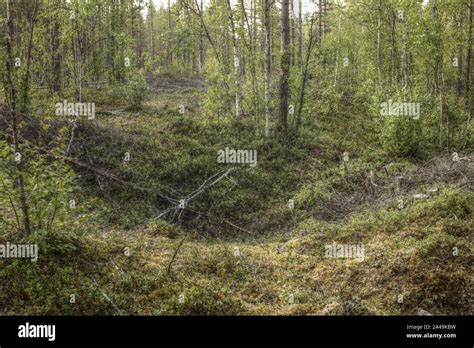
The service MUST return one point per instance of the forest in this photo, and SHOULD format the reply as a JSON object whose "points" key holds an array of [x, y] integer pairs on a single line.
{"points": [[236, 157]]}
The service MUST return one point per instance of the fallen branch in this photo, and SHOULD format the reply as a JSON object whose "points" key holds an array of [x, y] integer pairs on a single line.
{"points": [[106, 297], [117, 179], [168, 270], [183, 203]]}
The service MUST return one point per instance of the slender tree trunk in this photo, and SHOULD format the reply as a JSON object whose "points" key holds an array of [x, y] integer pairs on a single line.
{"points": [[439, 79], [253, 61], [284, 65], [151, 14], [25, 87], [140, 38], [169, 52], [300, 31], [336, 70], [293, 32], [272, 40], [201, 46], [169, 14], [243, 63], [392, 44], [266, 49], [379, 22], [254, 26], [236, 62], [323, 10], [55, 54], [11, 97], [405, 60], [468, 76], [459, 84], [79, 57], [320, 31], [304, 77], [81, 77]]}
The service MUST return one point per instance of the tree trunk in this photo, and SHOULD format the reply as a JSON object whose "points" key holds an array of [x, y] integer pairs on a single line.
{"points": [[266, 49], [393, 43], [236, 62], [439, 88], [320, 31], [378, 34], [336, 70], [293, 32], [11, 98], [300, 31], [25, 86], [304, 77], [284, 65], [55, 54], [151, 14], [468, 76], [253, 62], [201, 46], [459, 84]]}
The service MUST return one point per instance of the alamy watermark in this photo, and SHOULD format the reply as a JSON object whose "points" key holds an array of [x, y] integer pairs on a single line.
{"points": [[354, 251], [392, 108], [237, 156], [37, 331], [75, 109], [21, 251]]}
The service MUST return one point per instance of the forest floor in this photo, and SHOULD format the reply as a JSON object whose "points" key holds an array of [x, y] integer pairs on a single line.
{"points": [[238, 248]]}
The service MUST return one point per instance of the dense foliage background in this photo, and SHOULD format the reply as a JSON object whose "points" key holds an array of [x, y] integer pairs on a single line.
{"points": [[131, 210]]}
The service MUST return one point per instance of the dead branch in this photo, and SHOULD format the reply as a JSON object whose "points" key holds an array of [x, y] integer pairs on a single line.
{"points": [[106, 297], [183, 203], [113, 177], [168, 270]]}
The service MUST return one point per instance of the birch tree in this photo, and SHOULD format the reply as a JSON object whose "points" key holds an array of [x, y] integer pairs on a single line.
{"points": [[236, 62], [284, 64]]}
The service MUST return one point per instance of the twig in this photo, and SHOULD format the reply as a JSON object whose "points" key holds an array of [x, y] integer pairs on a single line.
{"points": [[14, 211], [117, 179], [106, 297], [74, 126], [168, 271], [183, 203]]}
